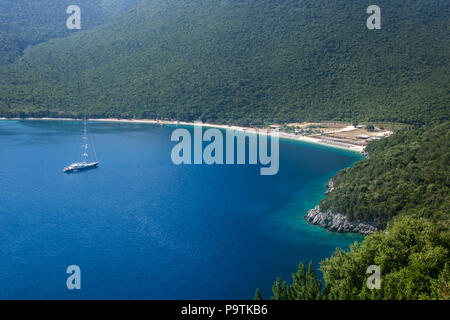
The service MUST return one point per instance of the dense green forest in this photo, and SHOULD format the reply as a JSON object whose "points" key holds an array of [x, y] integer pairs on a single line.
{"points": [[413, 256], [26, 23], [242, 62], [407, 173], [405, 184]]}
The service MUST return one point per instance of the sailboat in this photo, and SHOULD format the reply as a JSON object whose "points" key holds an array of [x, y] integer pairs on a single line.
{"points": [[83, 165]]}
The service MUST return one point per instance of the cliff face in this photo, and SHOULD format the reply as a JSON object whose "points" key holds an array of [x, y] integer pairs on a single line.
{"points": [[338, 222]]}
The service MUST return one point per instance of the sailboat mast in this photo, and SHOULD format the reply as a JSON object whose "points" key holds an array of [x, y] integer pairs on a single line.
{"points": [[85, 146], [84, 165]]}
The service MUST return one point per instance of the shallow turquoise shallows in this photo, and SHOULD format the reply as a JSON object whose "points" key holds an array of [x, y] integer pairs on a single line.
{"points": [[140, 227]]}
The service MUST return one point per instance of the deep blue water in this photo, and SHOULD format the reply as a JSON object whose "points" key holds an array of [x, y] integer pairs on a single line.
{"points": [[140, 227]]}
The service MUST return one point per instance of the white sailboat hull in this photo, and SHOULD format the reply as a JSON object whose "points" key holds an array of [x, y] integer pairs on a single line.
{"points": [[75, 167]]}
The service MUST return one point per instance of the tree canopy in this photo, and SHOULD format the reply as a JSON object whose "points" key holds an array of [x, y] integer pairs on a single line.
{"points": [[406, 174], [242, 62], [412, 254]]}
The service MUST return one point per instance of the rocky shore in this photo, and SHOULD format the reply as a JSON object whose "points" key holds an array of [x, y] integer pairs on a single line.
{"points": [[338, 222]]}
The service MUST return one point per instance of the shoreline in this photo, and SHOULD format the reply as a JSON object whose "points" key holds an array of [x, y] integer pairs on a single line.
{"points": [[334, 223], [290, 136], [337, 222]]}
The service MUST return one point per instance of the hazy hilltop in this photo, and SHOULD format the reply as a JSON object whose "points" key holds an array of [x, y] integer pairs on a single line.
{"points": [[113, 8], [29, 22], [242, 62]]}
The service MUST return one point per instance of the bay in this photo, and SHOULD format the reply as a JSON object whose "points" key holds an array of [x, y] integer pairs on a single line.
{"points": [[140, 227]]}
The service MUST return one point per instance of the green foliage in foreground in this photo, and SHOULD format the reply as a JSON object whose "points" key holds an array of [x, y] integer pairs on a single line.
{"points": [[304, 286], [406, 174], [413, 255], [242, 62]]}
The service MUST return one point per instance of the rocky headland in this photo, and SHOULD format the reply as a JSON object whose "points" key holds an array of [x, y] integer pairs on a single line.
{"points": [[337, 222]]}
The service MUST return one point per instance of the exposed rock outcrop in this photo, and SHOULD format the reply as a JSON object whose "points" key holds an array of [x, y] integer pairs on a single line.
{"points": [[330, 186], [338, 222]]}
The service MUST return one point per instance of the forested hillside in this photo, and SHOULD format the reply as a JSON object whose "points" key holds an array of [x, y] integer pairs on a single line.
{"points": [[407, 173], [243, 62], [405, 185], [28, 22]]}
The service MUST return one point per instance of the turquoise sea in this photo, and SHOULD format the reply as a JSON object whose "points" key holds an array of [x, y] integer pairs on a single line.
{"points": [[140, 227]]}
